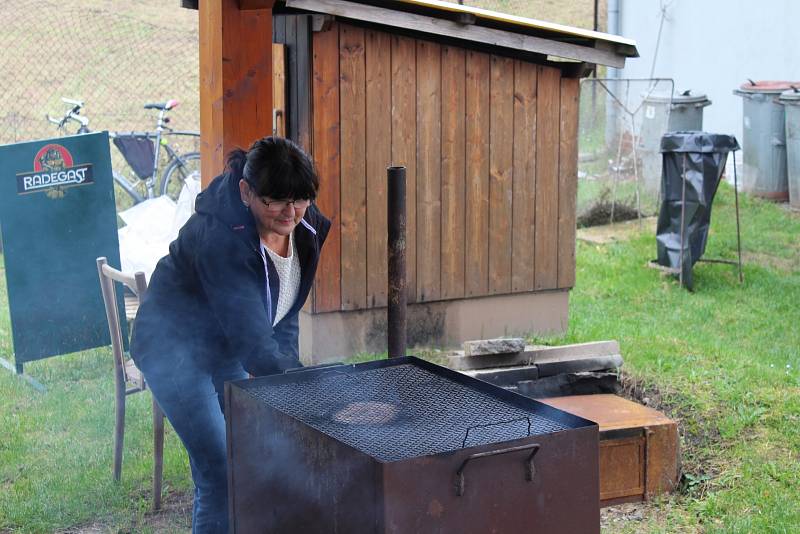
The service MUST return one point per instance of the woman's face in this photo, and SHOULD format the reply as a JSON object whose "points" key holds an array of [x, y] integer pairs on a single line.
{"points": [[273, 216]]}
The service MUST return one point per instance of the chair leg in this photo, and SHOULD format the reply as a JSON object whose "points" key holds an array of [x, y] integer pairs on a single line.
{"points": [[119, 424], [158, 453]]}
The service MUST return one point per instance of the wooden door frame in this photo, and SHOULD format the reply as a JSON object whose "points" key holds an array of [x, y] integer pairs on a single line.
{"points": [[235, 78]]}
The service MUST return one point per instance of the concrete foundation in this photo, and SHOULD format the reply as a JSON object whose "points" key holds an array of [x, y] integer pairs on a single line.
{"points": [[445, 324]]}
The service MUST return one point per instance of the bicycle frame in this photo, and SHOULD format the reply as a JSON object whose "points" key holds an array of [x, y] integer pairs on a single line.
{"points": [[149, 183], [129, 186]]}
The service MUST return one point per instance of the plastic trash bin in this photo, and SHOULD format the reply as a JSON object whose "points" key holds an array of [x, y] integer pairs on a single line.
{"points": [[664, 113], [791, 101], [764, 139], [693, 163]]}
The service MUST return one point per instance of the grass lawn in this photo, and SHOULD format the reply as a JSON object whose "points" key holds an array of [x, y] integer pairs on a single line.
{"points": [[722, 360]]}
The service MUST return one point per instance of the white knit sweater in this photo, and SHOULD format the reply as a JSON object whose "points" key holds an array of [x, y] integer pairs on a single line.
{"points": [[288, 278]]}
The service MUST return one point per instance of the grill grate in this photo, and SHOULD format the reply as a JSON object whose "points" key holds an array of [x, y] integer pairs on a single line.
{"points": [[428, 414]]}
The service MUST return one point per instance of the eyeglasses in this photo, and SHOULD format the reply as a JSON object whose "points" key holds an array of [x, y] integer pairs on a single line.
{"points": [[280, 205]]}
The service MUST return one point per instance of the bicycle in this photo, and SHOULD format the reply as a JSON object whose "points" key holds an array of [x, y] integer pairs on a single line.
{"points": [[142, 151]]}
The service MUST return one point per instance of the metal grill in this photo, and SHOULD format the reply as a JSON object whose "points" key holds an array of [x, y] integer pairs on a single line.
{"points": [[428, 414]]}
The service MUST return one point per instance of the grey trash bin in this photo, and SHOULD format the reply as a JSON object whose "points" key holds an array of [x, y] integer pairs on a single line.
{"points": [[664, 113], [791, 101], [764, 139]]}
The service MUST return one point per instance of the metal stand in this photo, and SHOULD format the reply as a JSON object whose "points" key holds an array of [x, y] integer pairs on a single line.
{"points": [[738, 263], [17, 370]]}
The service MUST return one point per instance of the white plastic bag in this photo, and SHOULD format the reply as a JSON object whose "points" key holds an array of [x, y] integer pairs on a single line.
{"points": [[152, 225]]}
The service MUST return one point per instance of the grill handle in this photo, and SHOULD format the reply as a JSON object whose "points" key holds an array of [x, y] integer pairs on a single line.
{"points": [[466, 434], [530, 469], [312, 367]]}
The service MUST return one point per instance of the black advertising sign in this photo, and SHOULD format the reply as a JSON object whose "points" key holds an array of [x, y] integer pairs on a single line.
{"points": [[57, 215]]}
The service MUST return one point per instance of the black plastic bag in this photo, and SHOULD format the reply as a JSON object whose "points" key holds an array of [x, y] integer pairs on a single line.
{"points": [[138, 151], [686, 205]]}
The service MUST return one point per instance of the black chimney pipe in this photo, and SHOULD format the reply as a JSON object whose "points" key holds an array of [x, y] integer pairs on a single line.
{"points": [[396, 219]]}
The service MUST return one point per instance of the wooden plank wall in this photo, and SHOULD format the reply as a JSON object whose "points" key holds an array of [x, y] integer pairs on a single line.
{"points": [[429, 171], [326, 142], [353, 106], [476, 211], [453, 172], [490, 147]]}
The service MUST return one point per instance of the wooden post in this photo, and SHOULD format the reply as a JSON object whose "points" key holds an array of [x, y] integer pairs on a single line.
{"points": [[235, 78]]}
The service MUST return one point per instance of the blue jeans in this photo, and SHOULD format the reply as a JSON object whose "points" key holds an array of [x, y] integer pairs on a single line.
{"points": [[192, 399]]}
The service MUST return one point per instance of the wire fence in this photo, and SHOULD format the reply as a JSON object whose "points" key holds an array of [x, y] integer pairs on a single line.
{"points": [[619, 163], [114, 56], [106, 54], [117, 56]]}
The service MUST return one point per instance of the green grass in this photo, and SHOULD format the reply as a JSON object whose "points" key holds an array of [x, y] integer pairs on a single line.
{"points": [[724, 358], [56, 449], [723, 361]]}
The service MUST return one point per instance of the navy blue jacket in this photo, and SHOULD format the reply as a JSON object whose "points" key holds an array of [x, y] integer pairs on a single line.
{"points": [[211, 298]]}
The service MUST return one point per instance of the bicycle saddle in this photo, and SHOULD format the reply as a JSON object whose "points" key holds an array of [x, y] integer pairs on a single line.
{"points": [[169, 104]]}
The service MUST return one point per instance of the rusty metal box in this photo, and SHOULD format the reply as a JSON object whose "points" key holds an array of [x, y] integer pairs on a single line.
{"points": [[401, 446], [639, 451]]}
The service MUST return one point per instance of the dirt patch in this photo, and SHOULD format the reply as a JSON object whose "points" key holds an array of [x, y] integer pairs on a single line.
{"points": [[175, 516], [601, 213], [785, 265], [616, 517], [622, 231], [697, 467]]}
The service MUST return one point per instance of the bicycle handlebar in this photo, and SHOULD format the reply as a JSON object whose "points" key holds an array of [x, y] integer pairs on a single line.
{"points": [[71, 115], [74, 115], [83, 120], [78, 103]]}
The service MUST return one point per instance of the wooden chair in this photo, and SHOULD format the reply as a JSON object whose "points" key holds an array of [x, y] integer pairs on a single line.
{"points": [[127, 377]]}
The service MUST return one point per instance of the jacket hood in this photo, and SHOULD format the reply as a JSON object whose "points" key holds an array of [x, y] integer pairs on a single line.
{"points": [[221, 200]]}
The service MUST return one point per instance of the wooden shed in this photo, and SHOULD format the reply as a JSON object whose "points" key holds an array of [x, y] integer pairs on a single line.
{"points": [[481, 108]]}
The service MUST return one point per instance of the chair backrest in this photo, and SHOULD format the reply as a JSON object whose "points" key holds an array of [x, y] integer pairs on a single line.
{"points": [[137, 283]]}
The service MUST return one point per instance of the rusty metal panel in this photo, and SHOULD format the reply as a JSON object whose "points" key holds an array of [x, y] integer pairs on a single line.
{"points": [[421, 495], [663, 458], [284, 476], [609, 411], [622, 468]]}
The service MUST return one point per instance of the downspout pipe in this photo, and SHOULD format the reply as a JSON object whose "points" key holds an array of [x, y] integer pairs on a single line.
{"points": [[614, 7]]}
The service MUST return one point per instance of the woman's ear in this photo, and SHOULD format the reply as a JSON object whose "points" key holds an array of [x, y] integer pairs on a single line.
{"points": [[244, 191]]}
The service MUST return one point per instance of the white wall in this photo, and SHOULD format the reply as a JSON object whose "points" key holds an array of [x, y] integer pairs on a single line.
{"points": [[713, 46]]}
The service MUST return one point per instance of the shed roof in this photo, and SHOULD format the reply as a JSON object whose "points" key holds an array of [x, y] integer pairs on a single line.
{"points": [[472, 24], [513, 21], [467, 23]]}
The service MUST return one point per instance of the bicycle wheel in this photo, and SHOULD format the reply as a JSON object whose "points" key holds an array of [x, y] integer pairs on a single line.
{"points": [[182, 167]]}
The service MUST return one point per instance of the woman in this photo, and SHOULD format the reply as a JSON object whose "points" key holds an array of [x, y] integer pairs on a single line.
{"points": [[225, 302]]}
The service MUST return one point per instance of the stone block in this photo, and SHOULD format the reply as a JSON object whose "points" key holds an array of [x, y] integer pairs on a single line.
{"points": [[481, 347]]}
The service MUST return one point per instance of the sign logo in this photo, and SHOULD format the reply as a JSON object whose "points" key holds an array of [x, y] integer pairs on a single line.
{"points": [[53, 171]]}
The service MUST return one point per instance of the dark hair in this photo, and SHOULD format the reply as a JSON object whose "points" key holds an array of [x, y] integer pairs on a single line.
{"points": [[277, 168]]}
